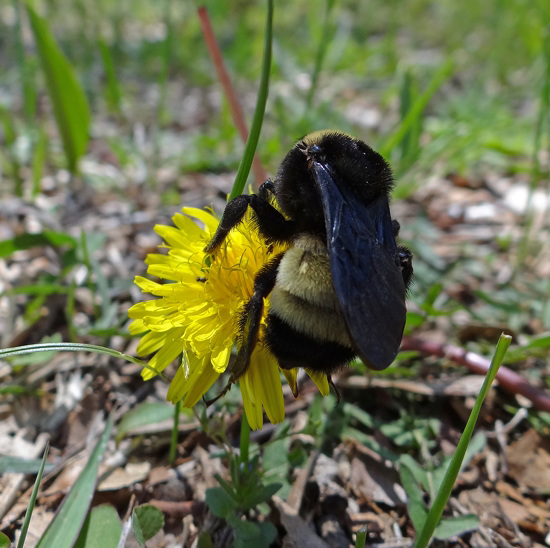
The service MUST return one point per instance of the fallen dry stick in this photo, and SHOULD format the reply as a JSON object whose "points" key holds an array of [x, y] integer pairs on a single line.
{"points": [[508, 379]]}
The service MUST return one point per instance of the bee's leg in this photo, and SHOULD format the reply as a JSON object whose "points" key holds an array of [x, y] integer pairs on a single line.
{"points": [[405, 261], [335, 388], [251, 316], [250, 322], [395, 226], [405, 256], [265, 188], [232, 215], [271, 222]]}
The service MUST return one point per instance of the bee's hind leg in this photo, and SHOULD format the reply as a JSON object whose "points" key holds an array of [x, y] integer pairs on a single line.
{"points": [[250, 322], [251, 315]]}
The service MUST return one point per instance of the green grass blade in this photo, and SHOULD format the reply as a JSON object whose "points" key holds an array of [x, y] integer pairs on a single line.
{"points": [[361, 537], [65, 527], [38, 239], [410, 145], [254, 135], [113, 94], [417, 108], [145, 414], [174, 435], [536, 172], [440, 501], [326, 39], [19, 465], [10, 137], [70, 106], [25, 68], [39, 160], [244, 441], [30, 507], [73, 347]]}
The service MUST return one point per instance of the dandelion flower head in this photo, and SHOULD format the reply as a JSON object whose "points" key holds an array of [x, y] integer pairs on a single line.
{"points": [[196, 313]]}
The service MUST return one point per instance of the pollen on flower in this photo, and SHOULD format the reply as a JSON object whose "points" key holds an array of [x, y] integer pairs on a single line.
{"points": [[196, 312]]}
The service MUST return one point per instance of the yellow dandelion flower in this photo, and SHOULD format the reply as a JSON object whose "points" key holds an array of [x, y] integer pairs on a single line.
{"points": [[197, 314]]}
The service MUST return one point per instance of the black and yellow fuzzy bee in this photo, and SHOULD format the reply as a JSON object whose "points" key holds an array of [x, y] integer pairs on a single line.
{"points": [[339, 290]]}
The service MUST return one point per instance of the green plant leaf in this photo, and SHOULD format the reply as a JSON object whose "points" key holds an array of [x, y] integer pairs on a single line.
{"points": [[64, 529], [247, 533], [38, 161], [450, 527], [70, 106], [26, 241], [4, 541], [415, 505], [417, 108], [261, 495], [205, 541], [359, 414], [112, 92], [142, 415], [250, 534], [102, 528], [229, 488], [43, 289], [30, 507], [540, 342], [147, 521], [268, 532], [138, 533], [219, 502], [369, 441], [16, 465], [10, 137], [15, 389]]}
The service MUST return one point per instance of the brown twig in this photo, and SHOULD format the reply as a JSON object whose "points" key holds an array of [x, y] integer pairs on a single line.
{"points": [[234, 105], [508, 379]]}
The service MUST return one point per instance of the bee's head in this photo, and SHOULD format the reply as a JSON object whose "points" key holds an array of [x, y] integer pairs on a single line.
{"points": [[350, 162]]}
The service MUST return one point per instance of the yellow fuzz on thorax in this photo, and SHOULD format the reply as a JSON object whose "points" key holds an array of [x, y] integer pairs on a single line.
{"points": [[304, 296]]}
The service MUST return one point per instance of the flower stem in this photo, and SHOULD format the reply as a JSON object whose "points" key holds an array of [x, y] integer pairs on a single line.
{"points": [[245, 440], [174, 437], [259, 111]]}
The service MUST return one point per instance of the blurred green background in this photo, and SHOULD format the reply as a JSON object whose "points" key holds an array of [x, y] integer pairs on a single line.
{"points": [[163, 80]]}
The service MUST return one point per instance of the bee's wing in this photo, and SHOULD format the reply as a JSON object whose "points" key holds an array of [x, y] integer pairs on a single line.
{"points": [[365, 269]]}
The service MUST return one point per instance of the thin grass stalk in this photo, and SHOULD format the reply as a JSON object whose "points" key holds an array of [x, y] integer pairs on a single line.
{"points": [[321, 53], [174, 436], [76, 347], [29, 94], [543, 118], [444, 492], [444, 73], [223, 76], [259, 111], [244, 441], [32, 500]]}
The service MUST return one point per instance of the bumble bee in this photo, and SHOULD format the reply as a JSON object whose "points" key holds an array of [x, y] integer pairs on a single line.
{"points": [[339, 290]]}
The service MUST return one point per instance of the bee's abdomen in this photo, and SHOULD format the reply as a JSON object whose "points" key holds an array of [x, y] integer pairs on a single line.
{"points": [[314, 321], [304, 297], [305, 326], [304, 272], [294, 349]]}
